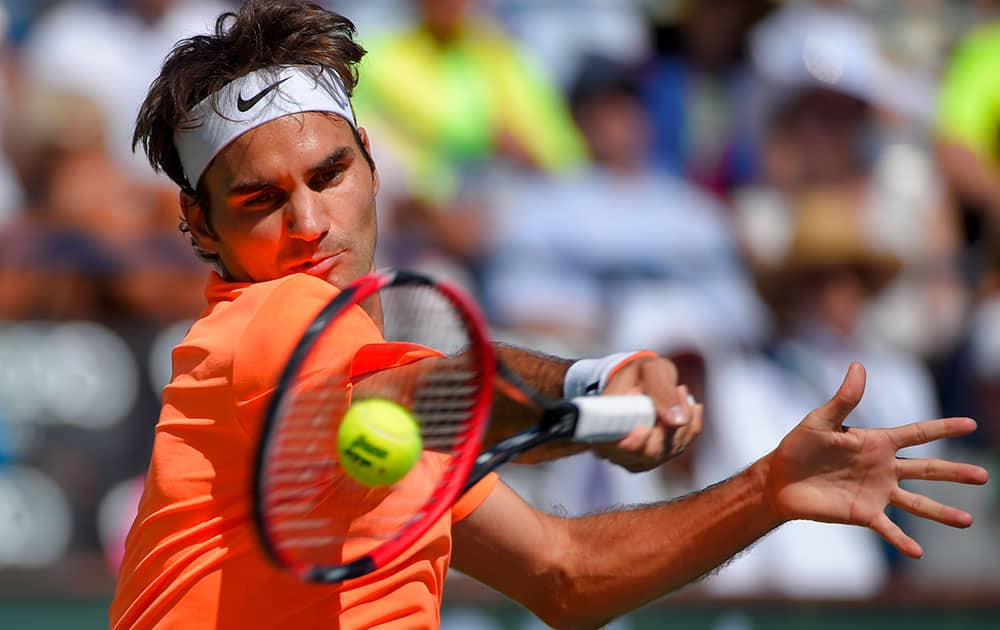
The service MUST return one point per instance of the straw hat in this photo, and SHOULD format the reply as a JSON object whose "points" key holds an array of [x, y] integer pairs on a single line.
{"points": [[827, 234]]}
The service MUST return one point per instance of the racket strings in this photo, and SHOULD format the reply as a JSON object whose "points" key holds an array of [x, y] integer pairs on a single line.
{"points": [[444, 397], [320, 515], [303, 462]]}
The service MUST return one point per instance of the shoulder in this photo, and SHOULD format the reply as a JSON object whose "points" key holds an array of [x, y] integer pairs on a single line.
{"points": [[277, 315], [233, 307], [237, 312], [287, 295], [273, 316]]}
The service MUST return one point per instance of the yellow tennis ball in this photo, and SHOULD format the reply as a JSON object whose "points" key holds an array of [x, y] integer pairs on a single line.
{"points": [[378, 442]]}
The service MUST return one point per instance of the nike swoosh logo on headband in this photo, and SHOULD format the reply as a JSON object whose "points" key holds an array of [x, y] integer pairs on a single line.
{"points": [[245, 105]]}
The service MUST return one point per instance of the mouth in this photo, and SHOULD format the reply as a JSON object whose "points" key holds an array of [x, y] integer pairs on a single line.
{"points": [[319, 267]]}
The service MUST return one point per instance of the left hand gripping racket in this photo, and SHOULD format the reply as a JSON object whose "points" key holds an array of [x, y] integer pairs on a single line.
{"points": [[438, 362]]}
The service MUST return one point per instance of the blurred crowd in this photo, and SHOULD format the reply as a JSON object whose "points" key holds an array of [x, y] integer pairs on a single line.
{"points": [[764, 191]]}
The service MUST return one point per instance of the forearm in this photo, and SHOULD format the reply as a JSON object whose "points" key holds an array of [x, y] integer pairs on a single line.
{"points": [[512, 413], [651, 551]]}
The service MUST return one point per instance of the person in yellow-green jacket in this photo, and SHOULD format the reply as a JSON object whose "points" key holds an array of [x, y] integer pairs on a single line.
{"points": [[969, 120], [447, 95]]}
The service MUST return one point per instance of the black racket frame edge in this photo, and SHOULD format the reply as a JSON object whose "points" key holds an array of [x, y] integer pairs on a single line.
{"points": [[559, 418]]}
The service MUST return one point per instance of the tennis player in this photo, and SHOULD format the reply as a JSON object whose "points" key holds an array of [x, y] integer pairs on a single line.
{"points": [[278, 185]]}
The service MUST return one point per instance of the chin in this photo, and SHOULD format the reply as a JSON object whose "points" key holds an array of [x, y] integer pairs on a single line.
{"points": [[339, 279]]}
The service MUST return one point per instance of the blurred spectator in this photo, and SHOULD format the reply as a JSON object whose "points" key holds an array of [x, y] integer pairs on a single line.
{"points": [[833, 43], [571, 253], [559, 33], [442, 99], [617, 255], [819, 286], [839, 115], [52, 262], [701, 91], [159, 280], [63, 154], [109, 53], [109, 238], [972, 375], [49, 274], [969, 131]]}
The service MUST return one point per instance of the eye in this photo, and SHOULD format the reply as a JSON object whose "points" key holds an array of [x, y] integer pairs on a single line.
{"points": [[326, 177], [263, 200]]}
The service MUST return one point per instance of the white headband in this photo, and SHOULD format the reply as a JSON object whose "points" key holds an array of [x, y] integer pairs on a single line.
{"points": [[249, 102]]}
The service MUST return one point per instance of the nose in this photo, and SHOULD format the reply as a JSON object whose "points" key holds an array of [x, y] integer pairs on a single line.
{"points": [[304, 216]]}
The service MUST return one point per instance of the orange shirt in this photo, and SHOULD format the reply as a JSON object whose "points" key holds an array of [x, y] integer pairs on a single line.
{"points": [[192, 558]]}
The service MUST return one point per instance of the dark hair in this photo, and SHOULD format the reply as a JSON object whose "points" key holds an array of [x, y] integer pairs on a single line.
{"points": [[261, 34], [597, 77]]}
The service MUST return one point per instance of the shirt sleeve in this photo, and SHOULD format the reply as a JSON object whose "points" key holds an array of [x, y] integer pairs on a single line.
{"points": [[472, 499]]}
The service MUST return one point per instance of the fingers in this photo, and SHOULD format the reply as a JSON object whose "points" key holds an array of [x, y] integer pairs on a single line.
{"points": [[673, 410], [647, 447], [644, 446], [678, 427], [684, 436], [673, 416], [635, 439], [925, 507], [832, 414], [941, 470], [653, 447], [895, 536], [678, 414], [930, 430]]}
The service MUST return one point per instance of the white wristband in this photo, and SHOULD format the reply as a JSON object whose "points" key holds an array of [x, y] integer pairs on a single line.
{"points": [[587, 377]]}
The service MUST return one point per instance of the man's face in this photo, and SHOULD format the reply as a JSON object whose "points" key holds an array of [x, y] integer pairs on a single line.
{"points": [[443, 18], [293, 195]]}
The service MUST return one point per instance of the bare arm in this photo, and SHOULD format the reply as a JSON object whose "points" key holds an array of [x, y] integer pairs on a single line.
{"points": [[582, 572]]}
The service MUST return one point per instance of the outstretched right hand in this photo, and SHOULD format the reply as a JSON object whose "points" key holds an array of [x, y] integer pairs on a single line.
{"points": [[824, 471]]}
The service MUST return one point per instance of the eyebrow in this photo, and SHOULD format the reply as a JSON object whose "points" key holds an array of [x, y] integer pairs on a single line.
{"points": [[252, 186], [339, 155]]}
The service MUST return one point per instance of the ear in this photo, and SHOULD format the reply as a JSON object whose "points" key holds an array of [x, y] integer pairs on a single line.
{"points": [[368, 147], [201, 231]]}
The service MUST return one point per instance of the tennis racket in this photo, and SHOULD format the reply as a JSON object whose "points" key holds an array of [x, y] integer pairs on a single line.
{"points": [[317, 522]]}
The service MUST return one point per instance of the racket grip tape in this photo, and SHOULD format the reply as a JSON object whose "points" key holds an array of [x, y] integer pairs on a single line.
{"points": [[610, 418]]}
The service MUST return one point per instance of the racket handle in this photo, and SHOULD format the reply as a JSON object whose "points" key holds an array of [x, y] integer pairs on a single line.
{"points": [[610, 418]]}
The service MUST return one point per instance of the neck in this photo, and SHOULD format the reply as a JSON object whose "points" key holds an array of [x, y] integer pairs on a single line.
{"points": [[373, 306]]}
